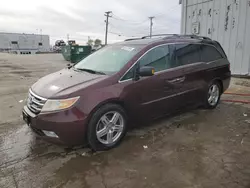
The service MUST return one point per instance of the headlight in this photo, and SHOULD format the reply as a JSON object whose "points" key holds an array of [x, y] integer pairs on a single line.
{"points": [[55, 105]]}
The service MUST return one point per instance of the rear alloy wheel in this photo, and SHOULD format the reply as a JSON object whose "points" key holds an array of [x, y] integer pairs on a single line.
{"points": [[107, 127], [213, 95]]}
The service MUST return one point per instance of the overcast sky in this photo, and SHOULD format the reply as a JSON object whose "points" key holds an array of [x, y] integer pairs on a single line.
{"points": [[83, 18]]}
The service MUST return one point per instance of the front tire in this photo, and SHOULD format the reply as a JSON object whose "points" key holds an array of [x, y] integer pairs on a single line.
{"points": [[107, 127], [213, 95]]}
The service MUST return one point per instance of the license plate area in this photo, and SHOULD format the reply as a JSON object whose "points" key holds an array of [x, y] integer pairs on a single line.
{"points": [[26, 118]]}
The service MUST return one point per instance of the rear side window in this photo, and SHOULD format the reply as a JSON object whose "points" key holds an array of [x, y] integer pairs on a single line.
{"points": [[187, 53], [209, 53], [220, 49]]}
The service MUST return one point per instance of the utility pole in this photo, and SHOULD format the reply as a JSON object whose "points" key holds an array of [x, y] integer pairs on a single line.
{"points": [[89, 41], [107, 14], [151, 25], [67, 37], [41, 36]]}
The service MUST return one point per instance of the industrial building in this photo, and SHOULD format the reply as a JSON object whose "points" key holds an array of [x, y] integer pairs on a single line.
{"points": [[21, 43], [225, 21]]}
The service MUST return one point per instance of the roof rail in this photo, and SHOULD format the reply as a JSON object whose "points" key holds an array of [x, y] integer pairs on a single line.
{"points": [[167, 36], [198, 37], [190, 36], [144, 37], [158, 35], [132, 39]]}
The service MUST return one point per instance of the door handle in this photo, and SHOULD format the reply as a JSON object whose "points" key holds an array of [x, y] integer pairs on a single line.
{"points": [[177, 80]]}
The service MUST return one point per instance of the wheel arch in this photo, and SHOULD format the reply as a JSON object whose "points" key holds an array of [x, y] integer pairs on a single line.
{"points": [[218, 80], [108, 101]]}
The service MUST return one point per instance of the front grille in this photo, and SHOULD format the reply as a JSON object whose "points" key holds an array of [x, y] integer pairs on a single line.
{"points": [[35, 103]]}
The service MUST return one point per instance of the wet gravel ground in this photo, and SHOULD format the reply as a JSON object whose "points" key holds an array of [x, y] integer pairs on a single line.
{"points": [[194, 149]]}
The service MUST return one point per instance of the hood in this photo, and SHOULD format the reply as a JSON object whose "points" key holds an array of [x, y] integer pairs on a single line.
{"points": [[64, 82]]}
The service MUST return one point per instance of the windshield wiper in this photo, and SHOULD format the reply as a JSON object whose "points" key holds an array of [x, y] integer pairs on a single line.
{"points": [[90, 71]]}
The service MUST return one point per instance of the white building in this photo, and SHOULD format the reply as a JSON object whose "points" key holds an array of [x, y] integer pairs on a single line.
{"points": [[24, 43], [227, 21]]}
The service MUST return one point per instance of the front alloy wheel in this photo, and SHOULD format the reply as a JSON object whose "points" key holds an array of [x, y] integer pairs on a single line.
{"points": [[110, 127], [107, 127]]}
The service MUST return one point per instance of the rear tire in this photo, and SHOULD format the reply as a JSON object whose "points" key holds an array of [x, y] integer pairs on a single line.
{"points": [[107, 127], [213, 95]]}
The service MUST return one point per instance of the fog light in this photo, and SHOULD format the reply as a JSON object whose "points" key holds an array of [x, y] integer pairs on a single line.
{"points": [[50, 134]]}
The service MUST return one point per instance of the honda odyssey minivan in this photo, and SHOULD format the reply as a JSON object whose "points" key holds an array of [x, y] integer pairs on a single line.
{"points": [[94, 101]]}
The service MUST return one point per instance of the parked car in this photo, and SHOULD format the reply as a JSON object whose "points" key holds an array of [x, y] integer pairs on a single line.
{"points": [[135, 80]]}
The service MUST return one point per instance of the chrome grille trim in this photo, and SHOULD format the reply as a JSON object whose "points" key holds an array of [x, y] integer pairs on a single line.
{"points": [[38, 103], [35, 103], [44, 99]]}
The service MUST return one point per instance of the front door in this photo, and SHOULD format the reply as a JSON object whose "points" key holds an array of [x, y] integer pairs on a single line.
{"points": [[154, 96], [145, 96]]}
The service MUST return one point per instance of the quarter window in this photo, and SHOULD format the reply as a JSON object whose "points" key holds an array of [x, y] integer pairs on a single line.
{"points": [[187, 53], [209, 53]]}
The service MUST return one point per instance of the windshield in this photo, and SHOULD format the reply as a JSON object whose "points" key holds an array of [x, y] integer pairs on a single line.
{"points": [[109, 59]]}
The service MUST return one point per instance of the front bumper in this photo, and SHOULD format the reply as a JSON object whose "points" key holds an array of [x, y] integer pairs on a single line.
{"points": [[70, 125]]}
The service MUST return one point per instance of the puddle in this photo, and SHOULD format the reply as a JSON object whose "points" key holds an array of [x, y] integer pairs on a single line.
{"points": [[22, 73], [11, 66], [15, 145], [19, 144], [245, 83]]}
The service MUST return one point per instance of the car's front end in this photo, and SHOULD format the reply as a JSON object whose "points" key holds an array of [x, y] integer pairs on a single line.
{"points": [[59, 121], [54, 108], [59, 105]]}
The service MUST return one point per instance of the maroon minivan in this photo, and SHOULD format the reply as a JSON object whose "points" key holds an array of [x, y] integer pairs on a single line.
{"points": [[138, 79]]}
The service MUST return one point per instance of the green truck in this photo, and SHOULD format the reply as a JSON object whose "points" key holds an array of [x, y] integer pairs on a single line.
{"points": [[75, 53]]}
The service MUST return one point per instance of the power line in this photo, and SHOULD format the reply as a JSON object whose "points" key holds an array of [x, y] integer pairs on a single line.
{"points": [[119, 33], [132, 22], [150, 18], [115, 33], [122, 35], [107, 14], [167, 11], [160, 25], [137, 31], [139, 28]]}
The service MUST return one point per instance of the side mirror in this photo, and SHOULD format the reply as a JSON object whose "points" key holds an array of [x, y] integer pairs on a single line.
{"points": [[146, 71]]}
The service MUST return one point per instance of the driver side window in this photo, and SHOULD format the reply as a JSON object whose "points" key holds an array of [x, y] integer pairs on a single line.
{"points": [[159, 58]]}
